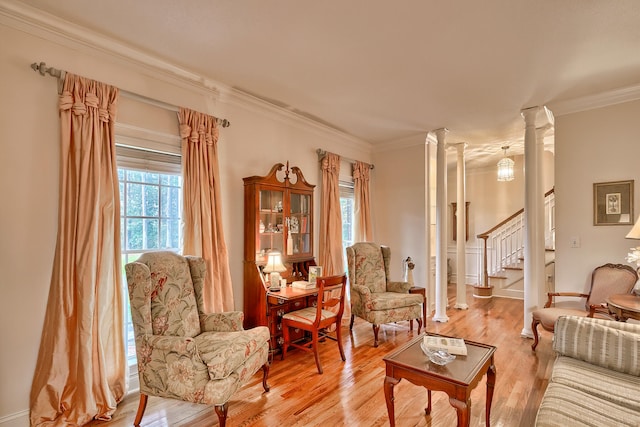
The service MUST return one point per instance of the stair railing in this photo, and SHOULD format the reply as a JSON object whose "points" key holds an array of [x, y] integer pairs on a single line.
{"points": [[503, 245]]}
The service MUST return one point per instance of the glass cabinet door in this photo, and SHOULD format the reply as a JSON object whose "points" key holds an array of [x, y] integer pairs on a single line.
{"points": [[271, 221], [299, 225]]}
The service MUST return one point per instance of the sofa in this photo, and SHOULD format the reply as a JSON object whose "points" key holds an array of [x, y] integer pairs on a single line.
{"points": [[595, 380]]}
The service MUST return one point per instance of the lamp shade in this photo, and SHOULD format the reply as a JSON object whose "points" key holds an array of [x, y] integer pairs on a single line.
{"points": [[635, 231], [274, 263]]}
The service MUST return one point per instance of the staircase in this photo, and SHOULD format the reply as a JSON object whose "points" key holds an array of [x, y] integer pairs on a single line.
{"points": [[503, 255]]}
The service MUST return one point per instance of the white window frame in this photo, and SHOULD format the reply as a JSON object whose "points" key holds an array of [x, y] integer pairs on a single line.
{"points": [[142, 159]]}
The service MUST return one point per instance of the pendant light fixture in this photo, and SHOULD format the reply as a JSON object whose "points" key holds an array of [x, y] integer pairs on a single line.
{"points": [[505, 167]]}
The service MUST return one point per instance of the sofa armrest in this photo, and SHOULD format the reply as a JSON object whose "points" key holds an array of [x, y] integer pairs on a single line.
{"points": [[400, 287], [229, 321], [610, 344]]}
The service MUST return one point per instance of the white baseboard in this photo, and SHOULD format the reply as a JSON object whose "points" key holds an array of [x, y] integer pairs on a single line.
{"points": [[19, 419]]}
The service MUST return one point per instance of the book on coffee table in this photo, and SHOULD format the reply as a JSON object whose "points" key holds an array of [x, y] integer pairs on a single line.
{"points": [[452, 345]]}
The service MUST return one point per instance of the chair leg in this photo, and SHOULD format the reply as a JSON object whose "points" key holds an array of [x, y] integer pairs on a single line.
{"points": [[419, 325], [314, 347], [265, 374], [339, 339], [534, 328], [141, 407], [351, 323], [221, 410], [376, 328]]}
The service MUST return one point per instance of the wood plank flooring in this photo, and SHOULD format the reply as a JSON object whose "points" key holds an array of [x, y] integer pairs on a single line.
{"points": [[350, 393]]}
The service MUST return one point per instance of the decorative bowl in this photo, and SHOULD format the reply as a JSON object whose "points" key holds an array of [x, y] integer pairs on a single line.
{"points": [[439, 357]]}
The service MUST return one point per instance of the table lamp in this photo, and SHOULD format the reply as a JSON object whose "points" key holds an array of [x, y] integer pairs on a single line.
{"points": [[274, 267]]}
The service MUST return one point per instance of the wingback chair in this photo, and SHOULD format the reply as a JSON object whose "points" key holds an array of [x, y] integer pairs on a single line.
{"points": [[184, 353], [374, 297], [607, 279]]}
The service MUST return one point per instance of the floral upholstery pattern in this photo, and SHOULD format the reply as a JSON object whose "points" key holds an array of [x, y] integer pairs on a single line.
{"points": [[374, 297], [182, 352]]}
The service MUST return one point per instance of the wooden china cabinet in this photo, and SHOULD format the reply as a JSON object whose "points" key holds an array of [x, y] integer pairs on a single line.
{"points": [[278, 216]]}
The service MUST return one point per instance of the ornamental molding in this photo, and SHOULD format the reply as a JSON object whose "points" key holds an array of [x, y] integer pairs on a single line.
{"points": [[35, 22]]}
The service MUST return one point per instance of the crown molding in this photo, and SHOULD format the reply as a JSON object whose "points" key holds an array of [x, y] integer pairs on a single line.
{"points": [[599, 100], [46, 26], [254, 104], [406, 142]]}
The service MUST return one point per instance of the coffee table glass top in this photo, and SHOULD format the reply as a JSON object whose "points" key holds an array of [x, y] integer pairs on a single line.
{"points": [[462, 370]]}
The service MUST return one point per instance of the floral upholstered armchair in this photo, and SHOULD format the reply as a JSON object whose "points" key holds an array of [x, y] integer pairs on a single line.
{"points": [[182, 352], [374, 297]]}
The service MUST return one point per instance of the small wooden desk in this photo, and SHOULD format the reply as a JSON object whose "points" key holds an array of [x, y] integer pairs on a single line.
{"points": [[457, 379], [624, 306], [290, 293], [281, 302]]}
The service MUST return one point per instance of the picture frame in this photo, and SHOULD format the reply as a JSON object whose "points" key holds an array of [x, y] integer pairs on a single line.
{"points": [[315, 271], [613, 203], [454, 207]]}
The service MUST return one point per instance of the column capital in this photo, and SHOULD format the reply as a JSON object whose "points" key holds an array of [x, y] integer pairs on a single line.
{"points": [[529, 115], [440, 134], [460, 146], [537, 116]]}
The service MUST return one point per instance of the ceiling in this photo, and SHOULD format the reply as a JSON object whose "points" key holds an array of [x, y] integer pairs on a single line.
{"points": [[387, 71]]}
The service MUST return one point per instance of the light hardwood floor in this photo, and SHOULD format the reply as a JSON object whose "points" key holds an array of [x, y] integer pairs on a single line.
{"points": [[350, 393]]}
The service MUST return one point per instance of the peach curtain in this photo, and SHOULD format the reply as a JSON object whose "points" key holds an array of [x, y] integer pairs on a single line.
{"points": [[330, 243], [362, 229], [81, 368], [203, 233], [330, 257]]}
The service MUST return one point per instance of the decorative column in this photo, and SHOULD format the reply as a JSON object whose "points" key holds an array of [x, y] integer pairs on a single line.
{"points": [[540, 219], [427, 221], [461, 230], [534, 276], [441, 228]]}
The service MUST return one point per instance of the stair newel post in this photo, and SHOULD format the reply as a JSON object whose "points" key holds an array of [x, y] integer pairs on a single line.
{"points": [[484, 289]]}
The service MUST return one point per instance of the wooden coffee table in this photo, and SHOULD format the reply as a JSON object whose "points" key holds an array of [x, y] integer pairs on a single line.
{"points": [[457, 379]]}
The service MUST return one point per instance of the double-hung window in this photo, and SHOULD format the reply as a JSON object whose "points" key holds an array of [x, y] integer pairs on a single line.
{"points": [[150, 212], [347, 208]]}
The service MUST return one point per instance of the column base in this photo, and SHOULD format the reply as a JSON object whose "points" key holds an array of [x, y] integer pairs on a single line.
{"points": [[483, 291], [461, 306], [441, 319]]}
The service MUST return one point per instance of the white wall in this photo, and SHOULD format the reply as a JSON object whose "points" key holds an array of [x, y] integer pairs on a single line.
{"points": [[399, 205], [259, 137], [599, 145]]}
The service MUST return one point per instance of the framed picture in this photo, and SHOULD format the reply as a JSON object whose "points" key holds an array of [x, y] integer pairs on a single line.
{"points": [[613, 203], [315, 271]]}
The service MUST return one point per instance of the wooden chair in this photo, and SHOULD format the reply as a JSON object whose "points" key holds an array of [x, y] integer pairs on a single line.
{"points": [[608, 279], [328, 311]]}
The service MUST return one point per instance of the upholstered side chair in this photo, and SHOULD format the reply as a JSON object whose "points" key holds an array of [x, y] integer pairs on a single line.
{"points": [[184, 353], [374, 297], [607, 279]]}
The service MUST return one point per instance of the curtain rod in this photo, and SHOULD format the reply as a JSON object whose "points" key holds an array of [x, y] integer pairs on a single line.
{"points": [[321, 153], [59, 74]]}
